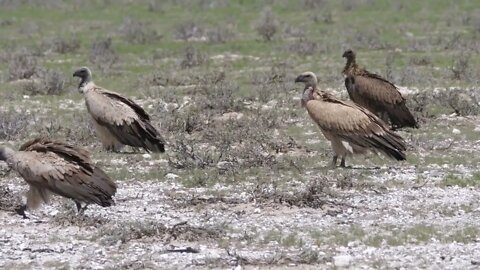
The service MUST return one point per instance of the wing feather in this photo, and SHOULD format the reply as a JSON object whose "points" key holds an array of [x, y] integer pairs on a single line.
{"points": [[355, 125], [125, 120], [373, 89], [65, 170]]}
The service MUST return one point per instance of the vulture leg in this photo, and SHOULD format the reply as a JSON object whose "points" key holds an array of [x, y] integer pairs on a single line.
{"points": [[334, 162], [79, 206], [342, 163], [21, 211], [82, 210]]}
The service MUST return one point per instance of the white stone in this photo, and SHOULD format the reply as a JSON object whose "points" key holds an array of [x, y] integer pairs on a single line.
{"points": [[146, 156], [456, 131], [171, 176], [342, 260]]}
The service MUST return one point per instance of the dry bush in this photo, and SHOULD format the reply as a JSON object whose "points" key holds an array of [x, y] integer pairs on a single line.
{"points": [[293, 32], [102, 54], [76, 128], [54, 82], [188, 31], [267, 26], [62, 45], [314, 194], [411, 75], [220, 34], [314, 4], [192, 58], [463, 102], [461, 67], [13, 125], [6, 22], [234, 143], [220, 97], [134, 230], [23, 64], [460, 101], [367, 39], [9, 200], [156, 6], [137, 32], [417, 60], [303, 47], [49, 82]]}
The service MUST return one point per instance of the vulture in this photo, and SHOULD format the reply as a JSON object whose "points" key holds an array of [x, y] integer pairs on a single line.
{"points": [[375, 93], [118, 120], [350, 128], [55, 167]]}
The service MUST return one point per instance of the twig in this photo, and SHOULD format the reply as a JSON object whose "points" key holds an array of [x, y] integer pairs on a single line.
{"points": [[421, 185], [184, 250]]}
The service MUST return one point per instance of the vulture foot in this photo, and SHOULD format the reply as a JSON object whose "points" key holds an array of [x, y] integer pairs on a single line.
{"points": [[21, 211], [80, 209]]}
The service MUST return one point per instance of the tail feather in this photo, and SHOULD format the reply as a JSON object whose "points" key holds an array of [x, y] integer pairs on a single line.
{"points": [[400, 116]]}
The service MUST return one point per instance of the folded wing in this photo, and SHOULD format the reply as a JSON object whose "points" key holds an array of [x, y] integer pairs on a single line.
{"points": [[125, 120], [355, 125]]}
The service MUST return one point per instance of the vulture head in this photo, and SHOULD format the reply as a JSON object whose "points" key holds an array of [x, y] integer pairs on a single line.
{"points": [[349, 54], [85, 74], [5, 152], [308, 78]]}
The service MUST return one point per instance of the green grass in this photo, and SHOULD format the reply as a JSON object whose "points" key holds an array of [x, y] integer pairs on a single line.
{"points": [[460, 181]]}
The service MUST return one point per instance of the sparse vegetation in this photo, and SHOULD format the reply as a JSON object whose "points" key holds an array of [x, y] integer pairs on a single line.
{"points": [[103, 55], [244, 180], [267, 27]]}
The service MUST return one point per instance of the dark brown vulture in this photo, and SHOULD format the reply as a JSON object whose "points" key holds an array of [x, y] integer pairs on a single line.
{"points": [[376, 94], [118, 120], [350, 128], [56, 167]]}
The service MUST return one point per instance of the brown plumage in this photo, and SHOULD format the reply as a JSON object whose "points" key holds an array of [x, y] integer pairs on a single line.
{"points": [[350, 128], [118, 120], [376, 94], [56, 167]]}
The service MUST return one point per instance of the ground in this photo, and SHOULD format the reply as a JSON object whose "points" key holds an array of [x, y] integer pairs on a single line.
{"points": [[245, 183]]}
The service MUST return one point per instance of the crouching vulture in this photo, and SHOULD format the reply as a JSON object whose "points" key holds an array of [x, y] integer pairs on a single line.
{"points": [[118, 120], [56, 167], [376, 94], [350, 128]]}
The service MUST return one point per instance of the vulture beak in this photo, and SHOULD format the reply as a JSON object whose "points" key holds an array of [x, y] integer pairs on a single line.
{"points": [[76, 74], [344, 55], [299, 79]]}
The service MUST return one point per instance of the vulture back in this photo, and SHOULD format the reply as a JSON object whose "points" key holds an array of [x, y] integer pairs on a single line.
{"points": [[81, 180]]}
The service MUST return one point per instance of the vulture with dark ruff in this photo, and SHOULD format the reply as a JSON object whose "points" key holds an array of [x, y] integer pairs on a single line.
{"points": [[118, 120], [56, 167], [376, 94], [350, 128]]}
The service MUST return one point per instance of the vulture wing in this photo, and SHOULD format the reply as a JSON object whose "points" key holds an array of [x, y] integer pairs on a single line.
{"points": [[52, 166], [379, 95], [125, 119], [355, 125]]}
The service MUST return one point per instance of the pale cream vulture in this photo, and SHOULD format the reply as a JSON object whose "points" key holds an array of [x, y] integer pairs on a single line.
{"points": [[350, 128], [376, 94], [118, 120], [56, 167]]}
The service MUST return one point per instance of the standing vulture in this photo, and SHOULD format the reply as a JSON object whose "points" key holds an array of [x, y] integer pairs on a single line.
{"points": [[376, 94], [350, 128], [56, 167], [118, 120]]}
